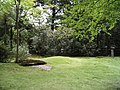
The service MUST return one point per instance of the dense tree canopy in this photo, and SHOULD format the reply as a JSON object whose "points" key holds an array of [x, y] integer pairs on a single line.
{"points": [[89, 17]]}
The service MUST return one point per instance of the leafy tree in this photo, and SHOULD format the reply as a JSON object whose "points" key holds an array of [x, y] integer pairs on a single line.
{"points": [[21, 7], [9, 18], [89, 17]]}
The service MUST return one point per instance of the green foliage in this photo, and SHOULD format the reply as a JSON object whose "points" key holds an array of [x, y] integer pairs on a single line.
{"points": [[43, 41], [7, 22], [83, 21], [7, 12], [59, 42], [88, 17], [27, 4], [47, 42]]}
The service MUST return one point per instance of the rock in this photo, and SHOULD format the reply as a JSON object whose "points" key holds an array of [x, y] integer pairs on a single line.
{"points": [[43, 67], [31, 62]]}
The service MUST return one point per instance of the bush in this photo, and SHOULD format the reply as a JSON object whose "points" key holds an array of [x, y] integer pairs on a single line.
{"points": [[59, 42], [4, 53]]}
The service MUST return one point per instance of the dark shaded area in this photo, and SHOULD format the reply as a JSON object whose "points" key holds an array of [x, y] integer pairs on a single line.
{"points": [[4, 53], [31, 62], [118, 89]]}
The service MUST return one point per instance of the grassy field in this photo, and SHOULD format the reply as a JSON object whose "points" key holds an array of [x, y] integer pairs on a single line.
{"points": [[67, 73]]}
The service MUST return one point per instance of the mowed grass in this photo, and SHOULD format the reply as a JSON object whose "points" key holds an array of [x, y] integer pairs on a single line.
{"points": [[67, 73]]}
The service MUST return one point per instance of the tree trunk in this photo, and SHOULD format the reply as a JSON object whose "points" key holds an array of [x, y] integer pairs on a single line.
{"points": [[11, 38], [5, 35], [53, 19], [17, 28]]}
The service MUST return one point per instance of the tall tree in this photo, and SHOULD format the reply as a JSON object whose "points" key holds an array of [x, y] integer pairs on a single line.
{"points": [[20, 4], [17, 28]]}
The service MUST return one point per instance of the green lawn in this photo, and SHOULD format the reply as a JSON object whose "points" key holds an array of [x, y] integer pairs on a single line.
{"points": [[67, 74]]}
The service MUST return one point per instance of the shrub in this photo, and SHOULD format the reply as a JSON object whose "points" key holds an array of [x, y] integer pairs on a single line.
{"points": [[4, 53]]}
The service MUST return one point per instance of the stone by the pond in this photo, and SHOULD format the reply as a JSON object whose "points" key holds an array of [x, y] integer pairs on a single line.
{"points": [[43, 67]]}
